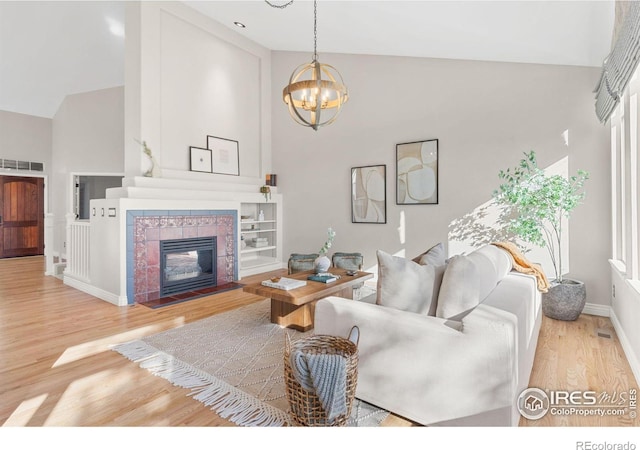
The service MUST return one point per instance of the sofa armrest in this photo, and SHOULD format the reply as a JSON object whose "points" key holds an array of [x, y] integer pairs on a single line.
{"points": [[421, 367]]}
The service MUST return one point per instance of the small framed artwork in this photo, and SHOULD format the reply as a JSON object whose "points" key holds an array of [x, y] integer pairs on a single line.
{"points": [[417, 173], [200, 159], [225, 155], [369, 194]]}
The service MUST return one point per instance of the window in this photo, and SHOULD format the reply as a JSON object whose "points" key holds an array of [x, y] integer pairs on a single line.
{"points": [[624, 179]]}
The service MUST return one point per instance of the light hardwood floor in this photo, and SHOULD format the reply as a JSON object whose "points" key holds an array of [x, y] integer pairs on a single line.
{"points": [[57, 370]]}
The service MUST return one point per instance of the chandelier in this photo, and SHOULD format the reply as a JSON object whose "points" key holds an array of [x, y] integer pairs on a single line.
{"points": [[315, 93]]}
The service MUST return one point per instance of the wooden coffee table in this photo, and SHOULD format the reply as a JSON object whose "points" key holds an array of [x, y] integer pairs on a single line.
{"points": [[295, 308]]}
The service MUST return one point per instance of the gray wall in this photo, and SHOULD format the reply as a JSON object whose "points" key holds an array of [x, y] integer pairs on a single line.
{"points": [[88, 137], [26, 138], [485, 116]]}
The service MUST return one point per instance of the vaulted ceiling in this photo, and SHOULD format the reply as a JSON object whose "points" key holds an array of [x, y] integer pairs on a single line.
{"points": [[51, 49]]}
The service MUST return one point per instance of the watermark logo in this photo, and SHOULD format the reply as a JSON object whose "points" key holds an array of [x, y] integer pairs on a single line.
{"points": [[533, 403]]}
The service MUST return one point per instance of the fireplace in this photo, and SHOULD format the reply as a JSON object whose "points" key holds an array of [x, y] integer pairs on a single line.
{"points": [[147, 228], [187, 264]]}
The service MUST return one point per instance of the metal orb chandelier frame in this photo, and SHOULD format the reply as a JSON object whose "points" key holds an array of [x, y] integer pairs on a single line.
{"points": [[316, 92]]}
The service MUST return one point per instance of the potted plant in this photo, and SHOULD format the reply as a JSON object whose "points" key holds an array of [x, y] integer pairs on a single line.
{"points": [[535, 204], [266, 191], [322, 262]]}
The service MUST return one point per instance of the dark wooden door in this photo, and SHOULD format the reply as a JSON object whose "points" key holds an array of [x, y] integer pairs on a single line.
{"points": [[21, 216]]}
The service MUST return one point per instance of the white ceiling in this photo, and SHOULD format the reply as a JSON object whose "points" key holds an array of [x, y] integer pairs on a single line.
{"points": [[53, 48]]}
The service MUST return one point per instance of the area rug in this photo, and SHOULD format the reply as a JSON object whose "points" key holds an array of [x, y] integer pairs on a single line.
{"points": [[233, 363]]}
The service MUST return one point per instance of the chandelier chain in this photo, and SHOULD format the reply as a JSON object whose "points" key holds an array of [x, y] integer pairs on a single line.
{"points": [[315, 30], [278, 6]]}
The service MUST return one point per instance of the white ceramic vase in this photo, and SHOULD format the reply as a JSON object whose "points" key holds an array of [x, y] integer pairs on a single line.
{"points": [[322, 264]]}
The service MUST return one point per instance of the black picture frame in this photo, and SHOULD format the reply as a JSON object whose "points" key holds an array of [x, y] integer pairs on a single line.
{"points": [[200, 160], [369, 194], [225, 155], [417, 172]]}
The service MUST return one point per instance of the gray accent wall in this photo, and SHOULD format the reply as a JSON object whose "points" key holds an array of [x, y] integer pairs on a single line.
{"points": [[88, 137], [485, 116], [25, 138]]}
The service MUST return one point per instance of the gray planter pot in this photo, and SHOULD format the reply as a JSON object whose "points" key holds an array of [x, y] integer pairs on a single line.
{"points": [[564, 301]]}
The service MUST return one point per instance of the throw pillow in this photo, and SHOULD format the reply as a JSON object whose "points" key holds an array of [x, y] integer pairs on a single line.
{"points": [[435, 256], [469, 279], [404, 284]]}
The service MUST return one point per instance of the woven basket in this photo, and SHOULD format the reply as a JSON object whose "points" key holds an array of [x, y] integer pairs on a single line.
{"points": [[305, 407]]}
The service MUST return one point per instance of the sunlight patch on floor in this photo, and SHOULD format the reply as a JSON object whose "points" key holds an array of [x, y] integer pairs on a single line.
{"points": [[23, 413], [78, 352], [80, 404]]}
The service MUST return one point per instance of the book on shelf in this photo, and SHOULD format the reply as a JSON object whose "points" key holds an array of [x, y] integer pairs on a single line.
{"points": [[285, 284], [322, 278], [257, 244]]}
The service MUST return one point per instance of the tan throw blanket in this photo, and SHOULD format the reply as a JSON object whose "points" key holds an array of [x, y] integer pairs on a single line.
{"points": [[523, 265]]}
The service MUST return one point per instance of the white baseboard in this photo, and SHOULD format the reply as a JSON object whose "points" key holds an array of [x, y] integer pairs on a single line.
{"points": [[96, 292], [626, 346], [594, 309]]}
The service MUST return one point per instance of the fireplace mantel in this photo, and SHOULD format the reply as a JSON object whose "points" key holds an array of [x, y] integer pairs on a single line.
{"points": [[110, 253]]}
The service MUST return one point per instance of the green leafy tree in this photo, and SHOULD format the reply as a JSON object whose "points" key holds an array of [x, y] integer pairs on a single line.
{"points": [[536, 203]]}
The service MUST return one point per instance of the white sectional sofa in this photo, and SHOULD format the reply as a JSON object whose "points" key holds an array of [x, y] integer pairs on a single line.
{"points": [[463, 361]]}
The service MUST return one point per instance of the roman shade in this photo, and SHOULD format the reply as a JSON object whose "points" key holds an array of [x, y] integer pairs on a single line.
{"points": [[621, 63]]}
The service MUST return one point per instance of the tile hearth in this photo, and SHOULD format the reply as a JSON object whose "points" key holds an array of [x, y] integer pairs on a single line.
{"points": [[191, 295]]}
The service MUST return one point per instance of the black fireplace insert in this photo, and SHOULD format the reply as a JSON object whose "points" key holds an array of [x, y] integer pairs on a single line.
{"points": [[187, 264]]}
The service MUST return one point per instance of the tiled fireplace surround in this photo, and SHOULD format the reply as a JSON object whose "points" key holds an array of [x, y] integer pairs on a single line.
{"points": [[145, 230]]}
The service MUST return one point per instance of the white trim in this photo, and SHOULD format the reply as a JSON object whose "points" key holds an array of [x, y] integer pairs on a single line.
{"points": [[626, 346], [96, 292], [594, 309], [634, 284], [619, 266]]}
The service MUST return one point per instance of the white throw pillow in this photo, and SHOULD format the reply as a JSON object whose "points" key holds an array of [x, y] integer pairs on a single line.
{"points": [[469, 279], [404, 284], [435, 256]]}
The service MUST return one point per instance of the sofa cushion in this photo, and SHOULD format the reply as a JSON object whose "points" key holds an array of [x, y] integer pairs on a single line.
{"points": [[404, 284], [469, 279]]}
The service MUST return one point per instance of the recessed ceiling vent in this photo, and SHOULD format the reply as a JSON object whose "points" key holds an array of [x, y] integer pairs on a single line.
{"points": [[21, 165]]}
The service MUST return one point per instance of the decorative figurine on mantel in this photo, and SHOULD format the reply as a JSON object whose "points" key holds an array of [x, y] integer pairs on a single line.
{"points": [[154, 170]]}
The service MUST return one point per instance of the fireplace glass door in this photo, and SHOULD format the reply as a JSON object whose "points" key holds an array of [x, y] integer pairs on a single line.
{"points": [[187, 265]]}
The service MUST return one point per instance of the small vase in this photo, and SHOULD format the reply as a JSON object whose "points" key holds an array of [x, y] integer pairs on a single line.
{"points": [[321, 264], [154, 171]]}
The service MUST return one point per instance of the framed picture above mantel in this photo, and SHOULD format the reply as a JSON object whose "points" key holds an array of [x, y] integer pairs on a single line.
{"points": [[225, 155], [200, 159], [417, 173]]}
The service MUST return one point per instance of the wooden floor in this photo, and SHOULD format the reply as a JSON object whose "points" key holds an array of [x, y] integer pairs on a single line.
{"points": [[57, 370]]}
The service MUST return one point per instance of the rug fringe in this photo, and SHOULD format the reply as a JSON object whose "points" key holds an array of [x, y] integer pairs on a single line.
{"points": [[227, 401]]}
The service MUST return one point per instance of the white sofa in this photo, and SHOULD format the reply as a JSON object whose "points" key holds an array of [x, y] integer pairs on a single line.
{"points": [[437, 370]]}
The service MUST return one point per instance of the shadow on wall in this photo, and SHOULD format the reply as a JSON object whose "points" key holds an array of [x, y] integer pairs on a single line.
{"points": [[489, 223], [486, 224]]}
